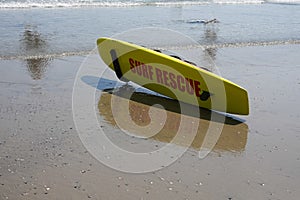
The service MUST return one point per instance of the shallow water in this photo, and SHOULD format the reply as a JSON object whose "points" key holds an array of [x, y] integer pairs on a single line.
{"points": [[68, 29]]}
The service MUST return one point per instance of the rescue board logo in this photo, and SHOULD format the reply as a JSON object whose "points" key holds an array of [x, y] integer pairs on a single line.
{"points": [[133, 129], [169, 79]]}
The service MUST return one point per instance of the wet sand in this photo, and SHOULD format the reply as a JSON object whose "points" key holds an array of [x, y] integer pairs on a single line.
{"points": [[256, 156]]}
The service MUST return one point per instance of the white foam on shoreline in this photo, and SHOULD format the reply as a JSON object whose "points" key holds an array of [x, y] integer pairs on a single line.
{"points": [[114, 3], [31, 4], [290, 2]]}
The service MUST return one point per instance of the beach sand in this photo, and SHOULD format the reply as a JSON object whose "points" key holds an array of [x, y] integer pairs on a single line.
{"points": [[256, 156]]}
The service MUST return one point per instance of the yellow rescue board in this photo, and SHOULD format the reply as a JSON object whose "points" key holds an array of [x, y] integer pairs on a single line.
{"points": [[172, 77]]}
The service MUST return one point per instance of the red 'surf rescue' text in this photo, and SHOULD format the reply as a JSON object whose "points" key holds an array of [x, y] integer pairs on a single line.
{"points": [[169, 79]]}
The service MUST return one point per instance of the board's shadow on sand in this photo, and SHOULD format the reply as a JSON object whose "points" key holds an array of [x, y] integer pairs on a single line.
{"points": [[232, 137], [147, 97]]}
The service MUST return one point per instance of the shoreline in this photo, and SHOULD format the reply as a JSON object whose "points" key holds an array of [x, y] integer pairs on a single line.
{"points": [[203, 46]]}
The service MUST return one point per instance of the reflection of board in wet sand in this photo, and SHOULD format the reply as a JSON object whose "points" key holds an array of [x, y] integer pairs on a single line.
{"points": [[172, 77], [233, 136]]}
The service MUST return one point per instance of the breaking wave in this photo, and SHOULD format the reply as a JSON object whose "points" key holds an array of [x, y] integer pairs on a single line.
{"points": [[26, 4]]}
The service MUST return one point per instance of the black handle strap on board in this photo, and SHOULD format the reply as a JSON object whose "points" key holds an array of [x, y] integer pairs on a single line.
{"points": [[116, 65], [204, 96]]}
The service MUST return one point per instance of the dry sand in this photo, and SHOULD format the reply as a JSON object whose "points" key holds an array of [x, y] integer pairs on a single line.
{"points": [[256, 157]]}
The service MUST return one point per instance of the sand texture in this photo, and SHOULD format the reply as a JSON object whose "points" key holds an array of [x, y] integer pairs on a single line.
{"points": [[255, 157]]}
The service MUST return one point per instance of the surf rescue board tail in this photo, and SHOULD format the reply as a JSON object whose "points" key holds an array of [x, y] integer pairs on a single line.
{"points": [[172, 77]]}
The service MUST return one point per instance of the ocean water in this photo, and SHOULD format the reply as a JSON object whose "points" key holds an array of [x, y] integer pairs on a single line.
{"points": [[37, 28]]}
